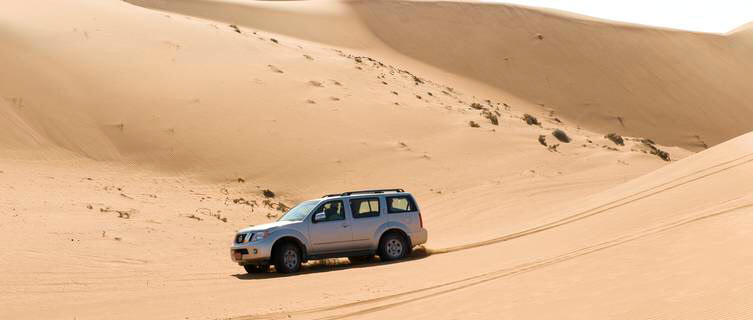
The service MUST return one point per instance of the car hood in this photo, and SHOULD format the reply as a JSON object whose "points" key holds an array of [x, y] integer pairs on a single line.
{"points": [[267, 226]]}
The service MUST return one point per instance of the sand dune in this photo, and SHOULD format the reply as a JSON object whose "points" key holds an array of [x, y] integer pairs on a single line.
{"points": [[134, 142], [680, 88]]}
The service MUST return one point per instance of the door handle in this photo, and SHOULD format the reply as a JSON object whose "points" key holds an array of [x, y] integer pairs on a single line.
{"points": [[346, 225]]}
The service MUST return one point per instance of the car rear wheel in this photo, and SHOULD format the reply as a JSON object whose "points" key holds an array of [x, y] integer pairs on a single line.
{"points": [[287, 258], [253, 268], [392, 247]]}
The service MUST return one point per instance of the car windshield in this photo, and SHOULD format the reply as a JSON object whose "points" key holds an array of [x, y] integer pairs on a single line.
{"points": [[300, 211]]}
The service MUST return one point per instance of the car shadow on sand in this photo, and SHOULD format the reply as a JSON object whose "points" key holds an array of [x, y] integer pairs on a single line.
{"points": [[329, 265]]}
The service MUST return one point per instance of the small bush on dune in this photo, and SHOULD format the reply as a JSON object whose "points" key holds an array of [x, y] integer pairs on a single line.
{"points": [[268, 193], [531, 120], [492, 117], [656, 151], [616, 138], [561, 136], [542, 140], [662, 154], [473, 124]]}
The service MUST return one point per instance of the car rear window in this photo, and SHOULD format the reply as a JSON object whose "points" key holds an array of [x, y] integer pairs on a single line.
{"points": [[364, 207], [400, 204]]}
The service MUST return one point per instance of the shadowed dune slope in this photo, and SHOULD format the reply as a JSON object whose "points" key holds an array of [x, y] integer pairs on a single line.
{"points": [[680, 88]]}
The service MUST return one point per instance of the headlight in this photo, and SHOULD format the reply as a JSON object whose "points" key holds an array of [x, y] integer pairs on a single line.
{"points": [[258, 236]]}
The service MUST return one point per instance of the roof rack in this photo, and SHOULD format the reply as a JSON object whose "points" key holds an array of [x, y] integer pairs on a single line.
{"points": [[362, 191]]}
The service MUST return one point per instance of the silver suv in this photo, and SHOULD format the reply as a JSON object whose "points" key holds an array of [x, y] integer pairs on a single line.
{"points": [[356, 224]]}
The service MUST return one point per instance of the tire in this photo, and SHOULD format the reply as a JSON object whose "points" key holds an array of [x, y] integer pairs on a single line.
{"points": [[361, 259], [287, 258], [392, 247], [255, 268]]}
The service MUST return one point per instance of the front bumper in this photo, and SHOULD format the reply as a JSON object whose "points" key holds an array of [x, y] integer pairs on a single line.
{"points": [[251, 253]]}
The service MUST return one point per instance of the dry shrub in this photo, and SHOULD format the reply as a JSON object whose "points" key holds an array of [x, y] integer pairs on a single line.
{"points": [[531, 120], [561, 136], [616, 138]]}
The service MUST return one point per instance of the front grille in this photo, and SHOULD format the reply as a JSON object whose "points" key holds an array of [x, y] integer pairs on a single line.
{"points": [[240, 237]]}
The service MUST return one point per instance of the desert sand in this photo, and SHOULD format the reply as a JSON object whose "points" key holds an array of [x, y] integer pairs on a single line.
{"points": [[137, 136]]}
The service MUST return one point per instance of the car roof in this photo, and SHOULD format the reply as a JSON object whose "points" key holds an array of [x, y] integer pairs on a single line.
{"points": [[378, 192]]}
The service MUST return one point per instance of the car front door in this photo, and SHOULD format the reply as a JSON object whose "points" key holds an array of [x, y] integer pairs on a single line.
{"points": [[334, 232]]}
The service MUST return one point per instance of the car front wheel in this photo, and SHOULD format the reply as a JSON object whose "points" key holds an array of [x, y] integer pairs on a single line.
{"points": [[287, 258]]}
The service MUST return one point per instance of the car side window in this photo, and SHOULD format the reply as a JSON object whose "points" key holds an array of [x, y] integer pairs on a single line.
{"points": [[400, 204], [333, 211], [364, 207]]}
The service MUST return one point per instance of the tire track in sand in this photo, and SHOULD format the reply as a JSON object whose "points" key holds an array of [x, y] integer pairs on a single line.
{"points": [[640, 195], [477, 279], [452, 286], [523, 268]]}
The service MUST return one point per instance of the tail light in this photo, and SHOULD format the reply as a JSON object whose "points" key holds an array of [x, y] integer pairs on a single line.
{"points": [[420, 219]]}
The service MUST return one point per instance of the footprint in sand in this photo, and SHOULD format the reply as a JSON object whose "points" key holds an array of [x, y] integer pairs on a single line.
{"points": [[274, 69], [308, 57], [316, 83]]}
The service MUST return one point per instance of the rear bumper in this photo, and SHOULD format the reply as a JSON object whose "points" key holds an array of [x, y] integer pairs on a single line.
{"points": [[419, 237]]}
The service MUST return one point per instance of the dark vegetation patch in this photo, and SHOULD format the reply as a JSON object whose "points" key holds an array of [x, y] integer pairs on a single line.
{"points": [[473, 124], [542, 140], [531, 120], [417, 80], [125, 214], [616, 138], [268, 193], [561, 135], [243, 201], [491, 116], [656, 151], [208, 212]]}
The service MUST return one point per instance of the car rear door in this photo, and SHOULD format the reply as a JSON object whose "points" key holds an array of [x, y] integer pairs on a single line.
{"points": [[368, 214]]}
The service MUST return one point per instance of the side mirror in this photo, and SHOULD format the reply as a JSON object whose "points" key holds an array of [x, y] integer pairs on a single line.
{"points": [[321, 216]]}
